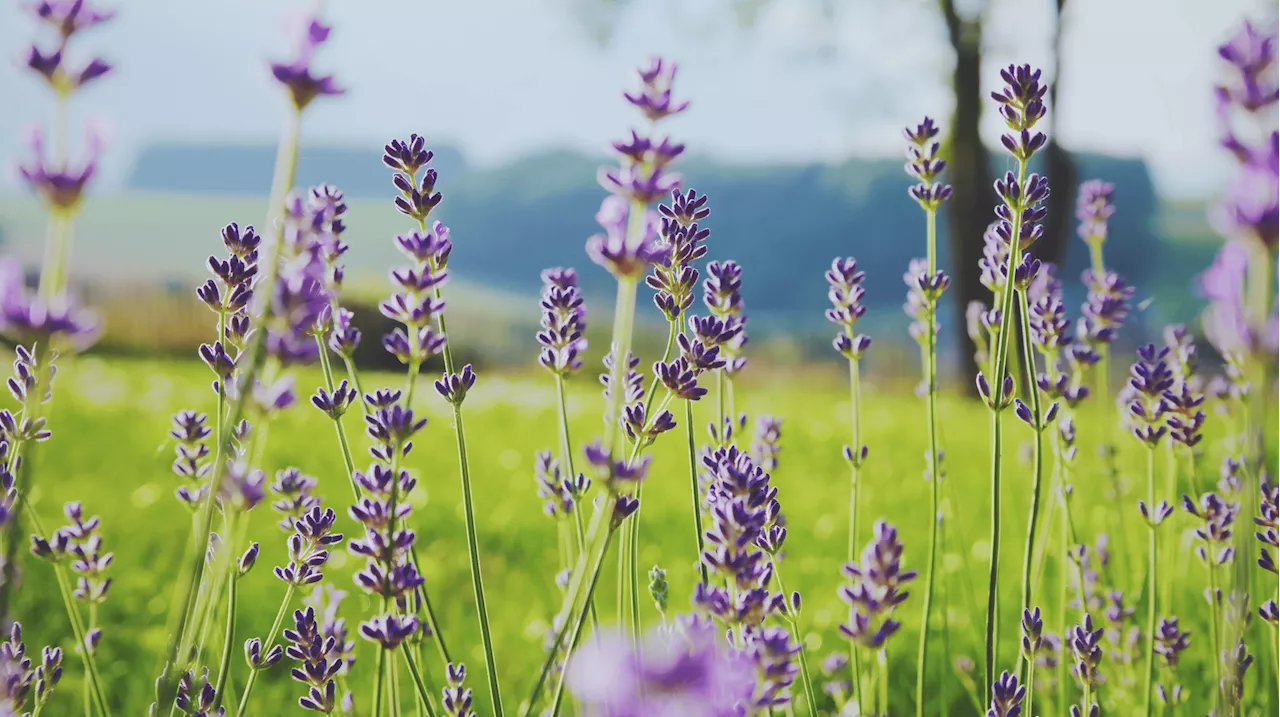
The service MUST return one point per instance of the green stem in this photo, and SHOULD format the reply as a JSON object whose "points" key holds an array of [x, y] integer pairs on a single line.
{"points": [[353, 374], [1152, 574], [580, 621], [53, 275], [78, 631], [1214, 630], [473, 552], [997, 387], [1037, 455], [935, 477], [179, 632], [268, 644], [224, 663], [855, 394], [424, 694], [603, 511], [882, 684], [347, 460], [721, 433], [794, 620], [695, 493], [632, 530], [380, 682], [1031, 685]]}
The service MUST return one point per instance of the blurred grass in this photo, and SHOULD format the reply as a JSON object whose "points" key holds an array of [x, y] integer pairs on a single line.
{"points": [[110, 450]]}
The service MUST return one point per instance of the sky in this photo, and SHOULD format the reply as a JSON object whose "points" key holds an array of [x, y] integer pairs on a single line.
{"points": [[807, 80]]}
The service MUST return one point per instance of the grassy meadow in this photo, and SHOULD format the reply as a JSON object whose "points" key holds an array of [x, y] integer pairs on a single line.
{"points": [[110, 450]]}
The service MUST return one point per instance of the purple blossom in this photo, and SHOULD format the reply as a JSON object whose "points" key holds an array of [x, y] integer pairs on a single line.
{"points": [[674, 278], [564, 322], [1006, 696], [1095, 205], [456, 699], [844, 281], [694, 674], [1268, 522], [924, 165], [722, 294], [1105, 309], [1087, 650], [297, 76], [1226, 322], [767, 446], [308, 547], [628, 246], [311, 650], [654, 99], [60, 186], [1217, 520], [875, 590], [69, 17], [1150, 382]]}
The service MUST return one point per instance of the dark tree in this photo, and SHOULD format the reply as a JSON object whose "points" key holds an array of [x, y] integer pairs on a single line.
{"points": [[969, 211]]}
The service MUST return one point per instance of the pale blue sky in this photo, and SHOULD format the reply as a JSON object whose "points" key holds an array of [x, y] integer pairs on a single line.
{"points": [[501, 78]]}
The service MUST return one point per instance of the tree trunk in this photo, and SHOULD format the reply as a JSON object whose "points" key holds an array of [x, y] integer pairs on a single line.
{"points": [[970, 209], [1059, 169]]}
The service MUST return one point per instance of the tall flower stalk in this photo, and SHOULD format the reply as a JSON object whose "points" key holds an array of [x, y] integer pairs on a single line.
{"points": [[1150, 384], [302, 87], [1021, 103], [675, 281], [417, 304], [844, 289], [927, 286], [627, 249], [873, 594], [49, 318]]}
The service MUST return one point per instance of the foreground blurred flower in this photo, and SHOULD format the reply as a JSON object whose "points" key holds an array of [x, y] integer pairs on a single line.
{"points": [[297, 76], [694, 674]]}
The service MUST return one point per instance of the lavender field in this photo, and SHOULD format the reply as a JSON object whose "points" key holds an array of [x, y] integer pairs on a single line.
{"points": [[346, 497]]}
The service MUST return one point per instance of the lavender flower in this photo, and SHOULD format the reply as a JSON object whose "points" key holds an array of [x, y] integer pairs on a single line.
{"points": [[67, 18], [18, 677], [295, 496], [1269, 521], [564, 322], [876, 589], [767, 448], [923, 164], [1105, 310], [722, 294], [682, 241], [845, 291], [1006, 696], [56, 323], [416, 303], [456, 699], [311, 651], [1217, 518], [326, 601], [198, 701], [1150, 380], [80, 545], [1095, 205], [1086, 647], [308, 547], [1227, 323], [691, 674], [1236, 663], [297, 76], [628, 246]]}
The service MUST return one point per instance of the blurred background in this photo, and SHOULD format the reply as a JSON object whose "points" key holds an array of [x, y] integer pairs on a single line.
{"points": [[794, 132]]}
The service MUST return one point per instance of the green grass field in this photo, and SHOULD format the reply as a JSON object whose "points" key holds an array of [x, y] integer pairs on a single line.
{"points": [[110, 450]]}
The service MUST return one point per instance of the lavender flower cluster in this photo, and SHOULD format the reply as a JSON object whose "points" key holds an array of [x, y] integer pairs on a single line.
{"points": [[743, 647]]}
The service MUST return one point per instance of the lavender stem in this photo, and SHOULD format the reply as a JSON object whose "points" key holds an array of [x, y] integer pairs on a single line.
{"points": [[1152, 573], [73, 614], [855, 393], [286, 164], [224, 663], [935, 477], [270, 643], [1000, 367], [580, 621], [794, 620], [1037, 455], [347, 461], [694, 489], [424, 694], [53, 269], [477, 582]]}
